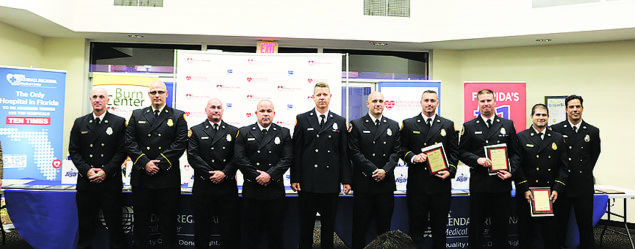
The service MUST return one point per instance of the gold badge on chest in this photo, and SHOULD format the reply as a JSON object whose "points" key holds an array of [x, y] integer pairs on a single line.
{"points": [[554, 146], [170, 122], [109, 131], [443, 132], [587, 138], [503, 132]]}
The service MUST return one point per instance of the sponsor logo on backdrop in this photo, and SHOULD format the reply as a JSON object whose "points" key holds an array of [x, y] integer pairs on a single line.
{"points": [[390, 104], [22, 80], [57, 163]]}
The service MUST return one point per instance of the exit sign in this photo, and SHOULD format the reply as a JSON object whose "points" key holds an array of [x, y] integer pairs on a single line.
{"points": [[267, 47]]}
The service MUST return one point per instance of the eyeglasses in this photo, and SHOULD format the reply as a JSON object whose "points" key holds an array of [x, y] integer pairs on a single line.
{"points": [[157, 92]]}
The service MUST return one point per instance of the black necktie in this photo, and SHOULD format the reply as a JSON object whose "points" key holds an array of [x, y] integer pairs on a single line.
{"points": [[489, 123], [322, 117], [156, 113], [215, 127], [376, 122], [575, 129], [264, 132], [97, 121], [429, 121], [540, 135]]}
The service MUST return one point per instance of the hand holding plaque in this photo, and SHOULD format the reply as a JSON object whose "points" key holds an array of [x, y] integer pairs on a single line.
{"points": [[498, 155], [437, 159], [541, 205]]}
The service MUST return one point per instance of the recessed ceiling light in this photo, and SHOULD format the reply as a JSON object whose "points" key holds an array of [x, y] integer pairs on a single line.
{"points": [[135, 36], [543, 40], [377, 43]]}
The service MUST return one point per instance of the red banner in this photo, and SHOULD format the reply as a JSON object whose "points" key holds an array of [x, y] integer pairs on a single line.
{"points": [[511, 99]]}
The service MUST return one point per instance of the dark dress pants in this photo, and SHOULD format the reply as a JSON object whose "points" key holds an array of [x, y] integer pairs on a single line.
{"points": [[530, 227], [583, 209], [88, 205], [162, 202], [264, 218], [367, 208], [495, 205], [309, 204], [437, 207], [204, 207]]}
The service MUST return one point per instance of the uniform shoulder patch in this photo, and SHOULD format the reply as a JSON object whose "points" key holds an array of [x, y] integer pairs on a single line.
{"points": [[185, 116], [350, 127], [237, 132], [189, 133], [462, 130]]}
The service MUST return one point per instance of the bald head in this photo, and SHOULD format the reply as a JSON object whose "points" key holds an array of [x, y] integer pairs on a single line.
{"points": [[375, 104], [265, 113], [99, 100], [214, 110], [158, 93]]}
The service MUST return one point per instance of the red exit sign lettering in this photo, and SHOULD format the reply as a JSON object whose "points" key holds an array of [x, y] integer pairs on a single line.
{"points": [[267, 47]]}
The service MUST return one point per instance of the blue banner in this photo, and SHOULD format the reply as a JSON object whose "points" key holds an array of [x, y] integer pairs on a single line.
{"points": [[32, 123]]}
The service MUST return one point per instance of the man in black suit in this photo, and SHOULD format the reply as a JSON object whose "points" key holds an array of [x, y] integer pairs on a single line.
{"points": [[542, 161], [373, 142], [156, 137], [582, 142], [429, 194], [97, 150], [320, 164], [210, 153], [264, 152], [489, 194]]}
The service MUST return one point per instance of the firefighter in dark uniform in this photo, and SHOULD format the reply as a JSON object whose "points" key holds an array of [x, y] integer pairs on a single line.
{"points": [[373, 142], [542, 163], [97, 150], [156, 137], [210, 153], [582, 142], [320, 164], [264, 152], [428, 195], [489, 194]]}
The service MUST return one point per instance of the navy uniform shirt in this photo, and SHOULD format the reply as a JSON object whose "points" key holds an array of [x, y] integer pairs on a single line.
{"points": [[583, 149], [209, 150], [542, 162], [373, 147], [100, 145], [320, 158], [163, 138], [271, 153], [416, 135]]}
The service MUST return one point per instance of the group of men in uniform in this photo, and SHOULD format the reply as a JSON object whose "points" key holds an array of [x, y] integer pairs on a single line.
{"points": [[325, 160]]}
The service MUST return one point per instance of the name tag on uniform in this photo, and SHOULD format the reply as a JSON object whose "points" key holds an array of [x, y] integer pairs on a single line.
{"points": [[416, 132], [530, 145], [204, 137], [251, 138], [142, 121], [478, 132], [366, 131], [309, 129], [84, 132], [565, 136]]}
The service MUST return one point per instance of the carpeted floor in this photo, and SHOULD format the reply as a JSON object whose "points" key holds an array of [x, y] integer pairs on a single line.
{"points": [[611, 240]]}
